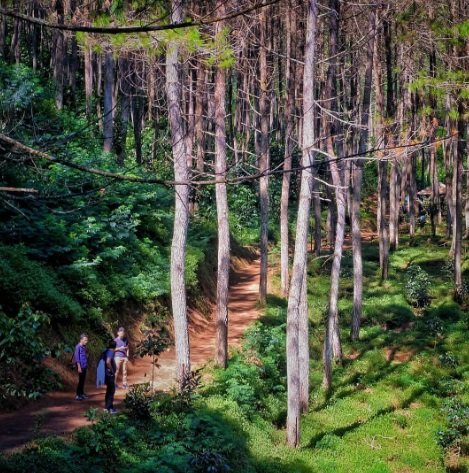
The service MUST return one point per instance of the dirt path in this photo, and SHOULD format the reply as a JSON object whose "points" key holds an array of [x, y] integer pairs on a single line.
{"points": [[57, 413]]}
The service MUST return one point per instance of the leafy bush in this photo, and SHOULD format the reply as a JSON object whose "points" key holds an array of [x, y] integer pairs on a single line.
{"points": [[257, 377], [457, 417], [138, 401], [417, 287], [208, 461], [27, 281], [21, 353]]}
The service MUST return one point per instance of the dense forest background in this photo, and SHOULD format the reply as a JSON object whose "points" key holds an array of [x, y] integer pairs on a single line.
{"points": [[143, 143]]}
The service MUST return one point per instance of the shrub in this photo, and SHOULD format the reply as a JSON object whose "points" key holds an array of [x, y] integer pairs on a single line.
{"points": [[417, 287], [257, 374], [457, 417], [21, 354], [138, 401], [208, 461]]}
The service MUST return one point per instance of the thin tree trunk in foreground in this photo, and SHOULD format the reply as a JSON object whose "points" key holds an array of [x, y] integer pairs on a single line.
{"points": [[108, 100], [223, 269], [302, 230], [264, 158], [332, 346], [357, 174], [458, 170], [181, 211], [289, 117]]}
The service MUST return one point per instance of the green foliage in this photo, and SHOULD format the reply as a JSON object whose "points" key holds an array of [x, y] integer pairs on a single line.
{"points": [[457, 418], [208, 461], [417, 287], [138, 401], [22, 351], [27, 281], [256, 377]]}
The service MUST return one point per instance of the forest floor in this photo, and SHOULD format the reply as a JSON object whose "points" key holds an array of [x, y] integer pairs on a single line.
{"points": [[57, 413]]}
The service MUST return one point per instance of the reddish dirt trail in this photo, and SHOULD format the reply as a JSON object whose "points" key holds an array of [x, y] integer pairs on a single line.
{"points": [[57, 413]]}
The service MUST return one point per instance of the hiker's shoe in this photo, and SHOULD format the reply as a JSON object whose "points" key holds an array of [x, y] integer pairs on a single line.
{"points": [[85, 396], [111, 411], [125, 386], [79, 398]]}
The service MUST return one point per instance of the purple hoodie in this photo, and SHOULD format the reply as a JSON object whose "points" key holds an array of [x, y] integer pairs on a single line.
{"points": [[81, 356]]}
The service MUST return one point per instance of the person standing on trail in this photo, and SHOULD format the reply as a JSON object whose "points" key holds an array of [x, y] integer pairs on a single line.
{"points": [[110, 377], [122, 356], [80, 358]]}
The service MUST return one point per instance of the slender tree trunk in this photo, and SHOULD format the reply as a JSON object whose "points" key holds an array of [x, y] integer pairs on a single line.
{"points": [[332, 346], [289, 129], [88, 77], [264, 157], [3, 33], [458, 170], [357, 174], [392, 206], [223, 270], [303, 345], [124, 110], [302, 230], [59, 55], [317, 218], [383, 224], [181, 211], [108, 123]]}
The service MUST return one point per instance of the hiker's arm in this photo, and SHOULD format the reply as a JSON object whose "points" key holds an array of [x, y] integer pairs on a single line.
{"points": [[109, 363], [78, 366]]}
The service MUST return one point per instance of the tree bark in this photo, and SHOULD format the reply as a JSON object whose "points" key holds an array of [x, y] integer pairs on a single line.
{"points": [[302, 230], [59, 57], [332, 346], [357, 174], [264, 157], [181, 213], [223, 268], [108, 110], [458, 170], [289, 129]]}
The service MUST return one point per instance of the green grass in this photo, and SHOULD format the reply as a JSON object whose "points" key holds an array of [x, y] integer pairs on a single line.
{"points": [[384, 412]]}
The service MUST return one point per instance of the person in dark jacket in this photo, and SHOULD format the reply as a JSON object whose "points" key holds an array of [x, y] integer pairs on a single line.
{"points": [[80, 358], [110, 377]]}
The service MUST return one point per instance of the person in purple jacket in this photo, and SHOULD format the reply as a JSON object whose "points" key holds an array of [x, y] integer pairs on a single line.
{"points": [[80, 358]]}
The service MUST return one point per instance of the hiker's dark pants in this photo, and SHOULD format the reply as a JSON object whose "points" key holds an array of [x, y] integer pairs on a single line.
{"points": [[110, 390], [81, 382]]}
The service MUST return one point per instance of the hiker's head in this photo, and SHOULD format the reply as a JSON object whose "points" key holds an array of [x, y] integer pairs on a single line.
{"points": [[112, 344], [83, 339], [121, 332]]}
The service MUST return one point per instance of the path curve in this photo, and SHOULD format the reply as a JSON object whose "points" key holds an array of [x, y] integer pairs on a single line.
{"points": [[57, 413]]}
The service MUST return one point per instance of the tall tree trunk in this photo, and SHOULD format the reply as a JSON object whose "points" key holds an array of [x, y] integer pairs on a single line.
{"points": [[223, 268], [383, 224], [3, 33], [181, 212], [332, 346], [458, 170], [88, 77], [317, 218], [289, 129], [302, 230], [393, 207], [303, 345], [357, 174], [59, 57], [124, 110], [108, 123], [264, 157]]}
